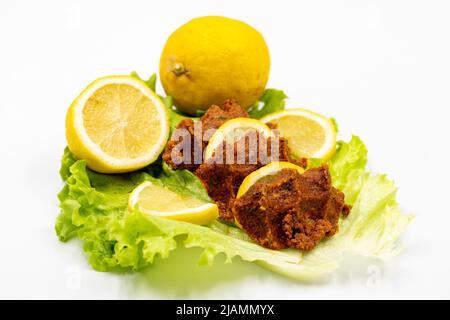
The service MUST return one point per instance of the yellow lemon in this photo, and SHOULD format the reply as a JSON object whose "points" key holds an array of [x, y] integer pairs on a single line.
{"points": [[117, 124], [156, 200], [211, 59], [309, 134]]}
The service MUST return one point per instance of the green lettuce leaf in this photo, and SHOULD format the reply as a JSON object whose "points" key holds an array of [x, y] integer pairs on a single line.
{"points": [[179, 181], [184, 182], [372, 230], [349, 158], [373, 227], [94, 209], [335, 124], [151, 82], [272, 100], [175, 115]]}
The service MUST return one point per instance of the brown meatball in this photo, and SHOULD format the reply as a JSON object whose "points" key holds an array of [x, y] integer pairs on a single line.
{"points": [[194, 141], [290, 209], [183, 141], [215, 116], [222, 180]]}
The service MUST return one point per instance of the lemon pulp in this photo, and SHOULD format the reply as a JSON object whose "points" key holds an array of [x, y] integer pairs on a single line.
{"points": [[309, 135], [234, 129], [117, 124], [270, 169], [121, 120], [160, 199], [155, 200]]}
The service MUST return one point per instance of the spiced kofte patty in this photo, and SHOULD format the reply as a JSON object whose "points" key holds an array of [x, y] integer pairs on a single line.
{"points": [[290, 209]]}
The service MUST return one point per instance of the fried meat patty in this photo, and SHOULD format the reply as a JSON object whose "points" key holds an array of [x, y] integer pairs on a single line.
{"points": [[290, 209], [222, 180], [195, 141]]}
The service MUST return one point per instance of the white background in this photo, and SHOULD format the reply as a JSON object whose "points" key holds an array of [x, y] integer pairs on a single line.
{"points": [[382, 68]]}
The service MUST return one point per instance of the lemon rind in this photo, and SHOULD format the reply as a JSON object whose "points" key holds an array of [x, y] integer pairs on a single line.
{"points": [[330, 133], [236, 123], [200, 214], [269, 169], [103, 161]]}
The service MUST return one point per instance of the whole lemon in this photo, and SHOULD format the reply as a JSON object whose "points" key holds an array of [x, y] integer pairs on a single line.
{"points": [[211, 59]]}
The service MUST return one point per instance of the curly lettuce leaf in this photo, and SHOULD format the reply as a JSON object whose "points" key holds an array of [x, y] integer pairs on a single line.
{"points": [[141, 238], [184, 182], [94, 209], [373, 227], [180, 181], [151, 82], [175, 115], [349, 158], [372, 230], [272, 100]]}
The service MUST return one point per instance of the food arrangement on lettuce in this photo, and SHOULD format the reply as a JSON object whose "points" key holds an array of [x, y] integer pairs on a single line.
{"points": [[218, 163]]}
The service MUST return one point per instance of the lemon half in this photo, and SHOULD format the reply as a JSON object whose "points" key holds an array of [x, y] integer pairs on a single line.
{"points": [[234, 129], [117, 124], [309, 134], [155, 200]]}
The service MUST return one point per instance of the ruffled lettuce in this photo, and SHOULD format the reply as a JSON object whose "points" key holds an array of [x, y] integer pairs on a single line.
{"points": [[94, 209], [272, 100], [373, 227]]}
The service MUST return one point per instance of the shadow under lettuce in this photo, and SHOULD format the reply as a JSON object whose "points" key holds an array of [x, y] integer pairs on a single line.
{"points": [[181, 277]]}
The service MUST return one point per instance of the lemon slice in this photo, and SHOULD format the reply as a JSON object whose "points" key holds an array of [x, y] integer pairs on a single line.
{"points": [[117, 124], [270, 169], [155, 200], [234, 129], [309, 135]]}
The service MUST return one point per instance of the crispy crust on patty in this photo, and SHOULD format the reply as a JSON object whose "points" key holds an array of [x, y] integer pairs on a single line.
{"points": [[291, 209], [195, 142], [222, 180]]}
